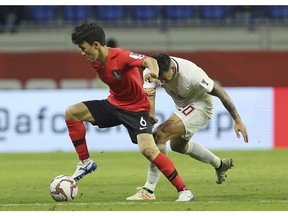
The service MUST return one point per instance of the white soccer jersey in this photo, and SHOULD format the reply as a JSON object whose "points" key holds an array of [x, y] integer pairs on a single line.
{"points": [[190, 85]]}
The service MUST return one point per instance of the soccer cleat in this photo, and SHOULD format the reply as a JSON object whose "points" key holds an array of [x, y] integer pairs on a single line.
{"points": [[185, 196], [142, 194], [83, 168], [226, 164]]}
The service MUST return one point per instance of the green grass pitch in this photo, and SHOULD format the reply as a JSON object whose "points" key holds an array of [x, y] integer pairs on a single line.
{"points": [[257, 182]]}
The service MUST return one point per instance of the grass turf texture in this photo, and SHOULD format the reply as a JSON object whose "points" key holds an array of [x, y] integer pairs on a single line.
{"points": [[257, 182]]}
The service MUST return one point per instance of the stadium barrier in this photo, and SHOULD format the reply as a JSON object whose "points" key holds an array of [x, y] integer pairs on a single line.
{"points": [[230, 68], [33, 121]]}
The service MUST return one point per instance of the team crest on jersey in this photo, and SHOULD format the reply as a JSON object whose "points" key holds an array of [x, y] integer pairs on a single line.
{"points": [[136, 55], [116, 74]]}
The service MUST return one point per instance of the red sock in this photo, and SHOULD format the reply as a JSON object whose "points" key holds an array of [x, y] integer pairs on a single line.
{"points": [[77, 132], [166, 166]]}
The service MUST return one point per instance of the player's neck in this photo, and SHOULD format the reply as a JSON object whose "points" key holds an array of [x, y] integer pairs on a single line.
{"points": [[103, 55]]}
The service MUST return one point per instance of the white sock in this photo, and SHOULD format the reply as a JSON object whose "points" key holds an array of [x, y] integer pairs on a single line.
{"points": [[199, 152], [153, 173], [86, 160]]}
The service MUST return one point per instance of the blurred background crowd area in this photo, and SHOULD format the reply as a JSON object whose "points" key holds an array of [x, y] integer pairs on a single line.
{"points": [[237, 45], [24, 17]]}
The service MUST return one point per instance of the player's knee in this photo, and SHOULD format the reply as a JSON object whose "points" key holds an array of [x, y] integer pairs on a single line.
{"points": [[173, 147], [70, 113], [162, 133], [177, 148]]}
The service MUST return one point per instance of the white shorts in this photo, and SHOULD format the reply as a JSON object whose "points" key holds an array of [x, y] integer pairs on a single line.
{"points": [[193, 119]]}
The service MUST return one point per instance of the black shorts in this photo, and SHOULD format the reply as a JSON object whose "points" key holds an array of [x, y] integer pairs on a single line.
{"points": [[106, 115]]}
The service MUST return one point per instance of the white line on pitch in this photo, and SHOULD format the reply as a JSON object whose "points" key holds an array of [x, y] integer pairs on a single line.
{"points": [[124, 203]]}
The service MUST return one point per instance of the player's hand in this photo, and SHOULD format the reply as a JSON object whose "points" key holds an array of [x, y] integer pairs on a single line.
{"points": [[239, 127], [150, 77], [153, 120]]}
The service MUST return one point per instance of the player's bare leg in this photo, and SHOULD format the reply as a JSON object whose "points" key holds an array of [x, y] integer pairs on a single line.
{"points": [[149, 149], [172, 129], [147, 191]]}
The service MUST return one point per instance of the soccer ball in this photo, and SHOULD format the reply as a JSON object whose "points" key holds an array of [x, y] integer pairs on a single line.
{"points": [[63, 188]]}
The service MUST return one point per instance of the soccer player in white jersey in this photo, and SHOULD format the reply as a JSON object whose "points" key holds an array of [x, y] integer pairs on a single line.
{"points": [[191, 90]]}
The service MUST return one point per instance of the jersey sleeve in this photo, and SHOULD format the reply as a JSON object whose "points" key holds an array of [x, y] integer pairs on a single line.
{"points": [[131, 59], [146, 84], [204, 81]]}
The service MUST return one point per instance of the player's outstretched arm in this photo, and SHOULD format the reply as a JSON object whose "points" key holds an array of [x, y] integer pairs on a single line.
{"points": [[239, 126]]}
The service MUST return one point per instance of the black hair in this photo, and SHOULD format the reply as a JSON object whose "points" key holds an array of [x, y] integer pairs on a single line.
{"points": [[163, 61], [88, 32], [112, 43]]}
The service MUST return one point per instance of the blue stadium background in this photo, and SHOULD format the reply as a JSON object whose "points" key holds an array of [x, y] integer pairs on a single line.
{"points": [[149, 16]]}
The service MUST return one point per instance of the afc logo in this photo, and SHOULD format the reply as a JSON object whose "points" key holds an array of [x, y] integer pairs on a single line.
{"points": [[136, 55]]}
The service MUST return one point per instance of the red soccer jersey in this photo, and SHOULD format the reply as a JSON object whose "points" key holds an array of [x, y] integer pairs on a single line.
{"points": [[122, 75]]}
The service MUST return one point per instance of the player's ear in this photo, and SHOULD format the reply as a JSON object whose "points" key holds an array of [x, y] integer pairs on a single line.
{"points": [[96, 45], [173, 68]]}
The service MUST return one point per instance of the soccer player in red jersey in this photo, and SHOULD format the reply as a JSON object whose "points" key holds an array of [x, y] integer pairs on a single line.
{"points": [[127, 104]]}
